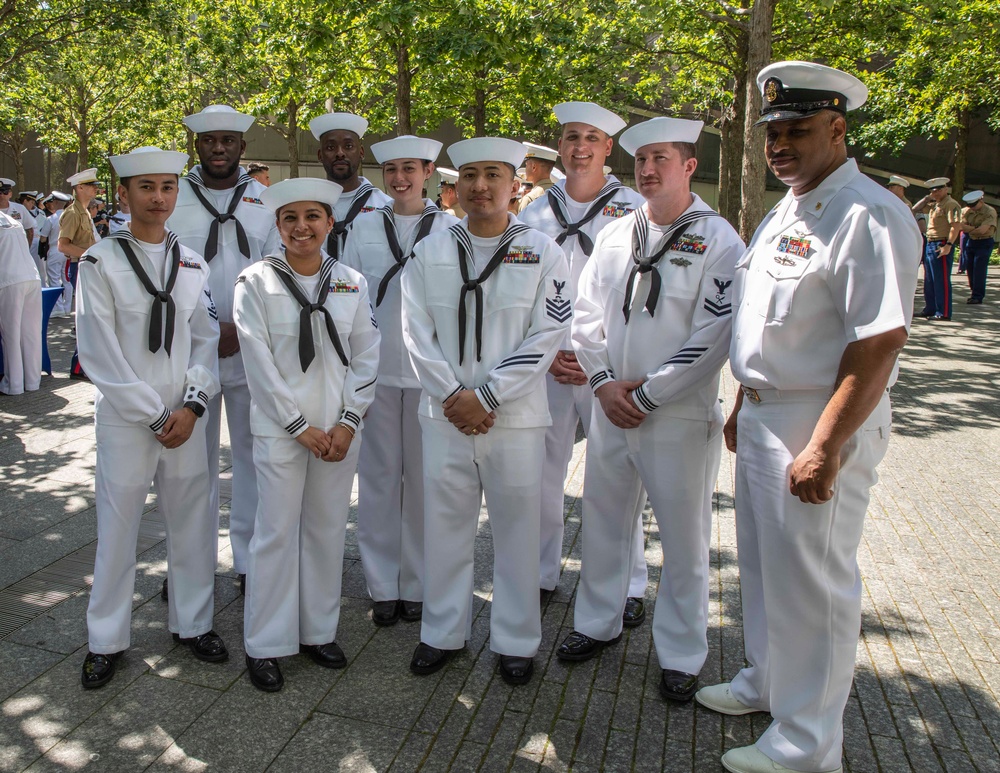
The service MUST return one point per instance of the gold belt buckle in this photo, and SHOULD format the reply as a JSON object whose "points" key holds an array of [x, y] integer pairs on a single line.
{"points": [[750, 394]]}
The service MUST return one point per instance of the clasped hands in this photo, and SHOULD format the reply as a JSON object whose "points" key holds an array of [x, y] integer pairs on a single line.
{"points": [[330, 446]]}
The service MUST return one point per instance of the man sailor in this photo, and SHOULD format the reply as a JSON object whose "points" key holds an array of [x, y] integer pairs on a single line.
{"points": [[147, 337], [55, 262], [20, 311], [220, 215], [446, 189], [654, 366], [390, 472], [822, 302], [120, 219], [538, 165], [485, 307], [29, 200], [341, 153], [573, 212], [14, 210]]}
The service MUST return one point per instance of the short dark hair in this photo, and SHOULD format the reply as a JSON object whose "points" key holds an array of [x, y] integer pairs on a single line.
{"points": [[326, 208], [124, 181], [686, 149]]}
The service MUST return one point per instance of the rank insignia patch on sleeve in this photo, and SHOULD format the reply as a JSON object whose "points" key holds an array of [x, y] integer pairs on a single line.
{"points": [[558, 307]]}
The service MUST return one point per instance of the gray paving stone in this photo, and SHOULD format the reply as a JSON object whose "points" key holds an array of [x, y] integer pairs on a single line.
{"points": [[504, 746], [412, 753], [62, 629], [132, 730], [22, 664], [357, 746]]}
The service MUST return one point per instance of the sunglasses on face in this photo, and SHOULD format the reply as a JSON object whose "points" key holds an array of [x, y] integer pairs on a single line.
{"points": [[5, 190]]}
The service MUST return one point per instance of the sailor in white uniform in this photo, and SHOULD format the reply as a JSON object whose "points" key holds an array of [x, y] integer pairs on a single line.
{"points": [[341, 153], [29, 200], [311, 344], [148, 341], [822, 302], [390, 472], [120, 219], [20, 311], [651, 331], [485, 307], [220, 215], [573, 212], [14, 210]]}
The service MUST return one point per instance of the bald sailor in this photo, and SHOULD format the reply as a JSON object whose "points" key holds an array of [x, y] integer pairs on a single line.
{"points": [[220, 215], [485, 307], [822, 302], [654, 364], [341, 154], [573, 212], [148, 341], [380, 245]]}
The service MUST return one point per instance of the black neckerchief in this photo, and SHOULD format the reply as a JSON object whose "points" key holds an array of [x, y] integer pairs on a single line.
{"points": [[423, 228], [159, 333], [307, 347], [557, 202], [647, 265], [465, 251], [364, 192], [212, 243]]}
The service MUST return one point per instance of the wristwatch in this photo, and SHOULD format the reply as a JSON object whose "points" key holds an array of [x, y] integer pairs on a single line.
{"points": [[196, 408]]}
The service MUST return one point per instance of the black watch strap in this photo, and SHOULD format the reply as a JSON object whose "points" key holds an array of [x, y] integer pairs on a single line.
{"points": [[196, 408]]}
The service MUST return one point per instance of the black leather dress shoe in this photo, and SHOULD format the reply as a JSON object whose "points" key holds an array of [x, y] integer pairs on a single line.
{"points": [[243, 584], [515, 670], [427, 659], [326, 655], [164, 592], [578, 646], [98, 669], [264, 674], [412, 611], [385, 612], [208, 647], [678, 686], [635, 612]]}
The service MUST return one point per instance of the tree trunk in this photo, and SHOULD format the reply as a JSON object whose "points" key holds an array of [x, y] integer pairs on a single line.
{"points": [[48, 170], [754, 172], [83, 133], [961, 155], [479, 113], [293, 138], [404, 80], [731, 152]]}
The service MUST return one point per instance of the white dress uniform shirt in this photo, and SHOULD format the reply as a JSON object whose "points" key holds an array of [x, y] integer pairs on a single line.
{"points": [[20, 311], [346, 211], [825, 269]]}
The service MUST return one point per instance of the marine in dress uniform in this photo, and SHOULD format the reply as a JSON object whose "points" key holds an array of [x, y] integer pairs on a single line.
{"points": [[446, 190], [220, 215], [573, 212], [55, 261], [538, 165], [77, 233], [979, 224], [147, 337], [653, 361], [341, 153], [822, 302], [311, 344], [390, 472], [944, 218], [485, 307], [20, 311]]}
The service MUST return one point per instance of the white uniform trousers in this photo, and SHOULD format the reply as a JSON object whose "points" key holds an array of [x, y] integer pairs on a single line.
{"points": [[391, 497], [678, 462], [55, 271], [21, 331], [506, 465], [128, 459], [799, 577], [296, 561], [243, 505], [567, 405]]}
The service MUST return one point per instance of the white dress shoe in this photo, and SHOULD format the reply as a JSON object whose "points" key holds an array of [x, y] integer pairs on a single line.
{"points": [[720, 698], [750, 759]]}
